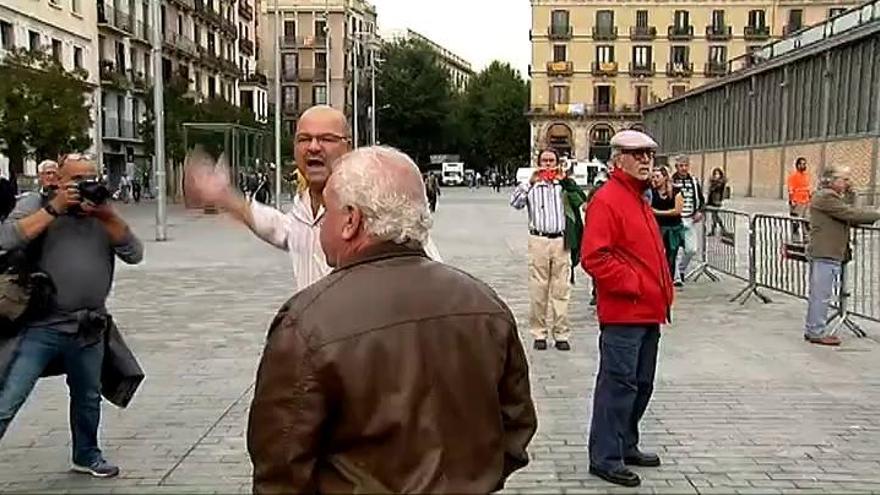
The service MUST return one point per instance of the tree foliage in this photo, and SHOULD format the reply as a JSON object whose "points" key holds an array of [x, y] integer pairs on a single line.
{"points": [[495, 129], [44, 109], [415, 101]]}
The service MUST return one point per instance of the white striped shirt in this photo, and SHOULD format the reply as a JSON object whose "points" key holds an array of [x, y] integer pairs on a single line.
{"points": [[545, 206], [299, 233]]}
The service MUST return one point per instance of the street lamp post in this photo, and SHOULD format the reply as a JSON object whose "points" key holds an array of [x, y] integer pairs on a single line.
{"points": [[277, 106], [327, 91], [356, 88], [159, 122], [373, 97]]}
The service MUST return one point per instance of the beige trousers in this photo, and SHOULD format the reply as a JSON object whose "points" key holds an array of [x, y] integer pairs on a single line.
{"points": [[549, 287]]}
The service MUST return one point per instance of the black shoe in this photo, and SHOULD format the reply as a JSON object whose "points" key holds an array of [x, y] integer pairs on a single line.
{"points": [[620, 476], [541, 344], [642, 459], [592, 301], [562, 345]]}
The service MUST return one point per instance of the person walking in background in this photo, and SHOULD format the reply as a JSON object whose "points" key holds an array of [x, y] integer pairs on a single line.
{"points": [[831, 216], [623, 252], [432, 189], [717, 190], [691, 215], [547, 197], [800, 187], [668, 203]]}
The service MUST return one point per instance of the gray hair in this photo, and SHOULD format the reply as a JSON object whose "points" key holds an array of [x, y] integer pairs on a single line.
{"points": [[833, 172], [46, 165], [387, 187], [681, 160]]}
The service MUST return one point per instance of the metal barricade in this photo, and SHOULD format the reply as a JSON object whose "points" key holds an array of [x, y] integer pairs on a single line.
{"points": [[727, 248], [780, 262], [859, 293]]}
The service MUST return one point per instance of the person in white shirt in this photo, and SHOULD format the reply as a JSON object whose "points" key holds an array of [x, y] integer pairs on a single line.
{"points": [[321, 138]]}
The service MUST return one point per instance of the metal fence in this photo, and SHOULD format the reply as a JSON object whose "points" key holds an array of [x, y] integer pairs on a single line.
{"points": [[770, 252]]}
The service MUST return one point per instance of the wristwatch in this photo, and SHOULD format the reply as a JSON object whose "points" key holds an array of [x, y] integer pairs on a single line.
{"points": [[51, 210]]}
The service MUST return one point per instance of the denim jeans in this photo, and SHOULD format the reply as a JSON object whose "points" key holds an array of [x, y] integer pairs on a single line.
{"points": [[689, 248], [39, 347], [624, 385], [824, 276]]}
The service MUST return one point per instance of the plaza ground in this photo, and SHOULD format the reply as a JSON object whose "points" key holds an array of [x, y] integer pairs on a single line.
{"points": [[742, 403]]}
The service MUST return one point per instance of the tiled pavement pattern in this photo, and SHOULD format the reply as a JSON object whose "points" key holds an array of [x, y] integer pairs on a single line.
{"points": [[742, 405]]}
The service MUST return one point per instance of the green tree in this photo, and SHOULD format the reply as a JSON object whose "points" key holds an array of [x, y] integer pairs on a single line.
{"points": [[44, 109], [416, 101], [495, 129]]}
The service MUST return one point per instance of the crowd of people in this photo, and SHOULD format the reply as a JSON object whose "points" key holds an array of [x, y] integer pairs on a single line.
{"points": [[403, 391]]}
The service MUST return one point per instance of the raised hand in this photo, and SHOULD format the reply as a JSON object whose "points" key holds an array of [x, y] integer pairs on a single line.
{"points": [[206, 180]]}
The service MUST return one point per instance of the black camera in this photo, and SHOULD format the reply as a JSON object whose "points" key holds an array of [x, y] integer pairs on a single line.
{"points": [[93, 191]]}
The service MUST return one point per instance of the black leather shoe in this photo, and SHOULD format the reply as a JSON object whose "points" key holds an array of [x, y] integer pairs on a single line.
{"points": [[562, 345], [541, 344], [642, 459], [620, 476]]}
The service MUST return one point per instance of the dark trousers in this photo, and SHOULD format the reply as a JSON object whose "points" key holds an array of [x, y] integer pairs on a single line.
{"points": [[627, 361]]}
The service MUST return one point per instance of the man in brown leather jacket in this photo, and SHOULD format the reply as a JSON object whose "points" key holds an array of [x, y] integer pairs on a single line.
{"points": [[394, 373]]}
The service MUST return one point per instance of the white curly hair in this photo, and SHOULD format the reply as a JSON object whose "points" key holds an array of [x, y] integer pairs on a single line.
{"points": [[387, 187]]}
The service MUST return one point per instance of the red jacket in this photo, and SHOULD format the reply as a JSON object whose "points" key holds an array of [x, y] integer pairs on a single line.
{"points": [[623, 251]]}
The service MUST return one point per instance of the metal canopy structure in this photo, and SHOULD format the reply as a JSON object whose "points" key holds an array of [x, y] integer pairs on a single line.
{"points": [[247, 149]]}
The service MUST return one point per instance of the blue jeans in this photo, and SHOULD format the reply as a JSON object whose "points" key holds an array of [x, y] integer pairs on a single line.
{"points": [[824, 275], [38, 348], [624, 385]]}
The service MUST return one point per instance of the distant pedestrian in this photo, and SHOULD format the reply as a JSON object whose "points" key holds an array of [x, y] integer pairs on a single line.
{"points": [[546, 196], [369, 382], [831, 216], [432, 189], [800, 192], [691, 215], [623, 252], [717, 192], [668, 203]]}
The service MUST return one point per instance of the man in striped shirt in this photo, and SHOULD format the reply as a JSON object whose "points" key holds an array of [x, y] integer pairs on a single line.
{"points": [[549, 260], [692, 214]]}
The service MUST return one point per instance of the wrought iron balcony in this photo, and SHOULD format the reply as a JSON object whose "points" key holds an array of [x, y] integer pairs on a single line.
{"points": [[679, 69], [560, 68], [757, 33], [681, 33], [719, 32], [715, 69], [604, 33], [245, 10], [647, 69], [642, 33], [604, 68], [583, 110], [246, 46], [559, 32], [114, 18]]}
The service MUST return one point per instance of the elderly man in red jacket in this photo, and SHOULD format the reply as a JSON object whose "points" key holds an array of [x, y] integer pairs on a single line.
{"points": [[623, 252]]}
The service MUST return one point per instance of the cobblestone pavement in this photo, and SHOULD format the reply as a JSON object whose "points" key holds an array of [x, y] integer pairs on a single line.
{"points": [[742, 403]]}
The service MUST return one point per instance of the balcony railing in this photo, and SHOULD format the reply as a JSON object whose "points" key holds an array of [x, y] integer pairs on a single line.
{"points": [[311, 73], [186, 4], [681, 33], [109, 16], [560, 68], [643, 69], [245, 10], [294, 109], [558, 32], [289, 75], [584, 110], [139, 80], [715, 69], [120, 129], [303, 42], [719, 33], [246, 46], [256, 78], [181, 43], [790, 29], [604, 68], [642, 33], [757, 33], [679, 69], [604, 33]]}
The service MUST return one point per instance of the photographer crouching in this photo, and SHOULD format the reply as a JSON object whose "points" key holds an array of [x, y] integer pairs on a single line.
{"points": [[72, 236]]}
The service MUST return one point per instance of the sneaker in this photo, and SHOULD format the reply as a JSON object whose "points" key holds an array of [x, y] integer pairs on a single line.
{"points": [[541, 344], [99, 469], [678, 283], [562, 345], [831, 341]]}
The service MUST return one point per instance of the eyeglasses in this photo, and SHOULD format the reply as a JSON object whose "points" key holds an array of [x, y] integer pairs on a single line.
{"points": [[643, 154], [323, 139]]}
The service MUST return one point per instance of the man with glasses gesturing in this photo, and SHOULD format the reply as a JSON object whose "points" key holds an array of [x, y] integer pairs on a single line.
{"points": [[321, 139]]}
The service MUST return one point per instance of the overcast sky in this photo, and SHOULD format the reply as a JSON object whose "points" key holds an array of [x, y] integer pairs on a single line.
{"points": [[478, 30]]}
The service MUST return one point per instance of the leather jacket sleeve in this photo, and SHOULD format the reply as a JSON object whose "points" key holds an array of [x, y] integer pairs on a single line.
{"points": [[517, 409], [286, 414]]}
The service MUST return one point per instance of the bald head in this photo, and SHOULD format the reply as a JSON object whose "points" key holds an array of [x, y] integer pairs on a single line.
{"points": [[375, 195], [321, 139]]}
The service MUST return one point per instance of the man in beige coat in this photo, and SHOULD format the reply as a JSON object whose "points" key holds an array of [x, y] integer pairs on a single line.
{"points": [[831, 216]]}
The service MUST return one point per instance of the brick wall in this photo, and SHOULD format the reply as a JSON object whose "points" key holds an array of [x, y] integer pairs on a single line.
{"points": [[855, 154], [738, 172], [765, 175]]}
